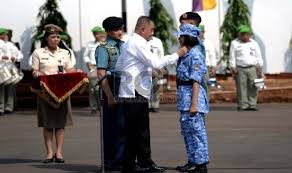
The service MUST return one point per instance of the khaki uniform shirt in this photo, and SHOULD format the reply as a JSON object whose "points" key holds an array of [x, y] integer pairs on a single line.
{"points": [[48, 62]]}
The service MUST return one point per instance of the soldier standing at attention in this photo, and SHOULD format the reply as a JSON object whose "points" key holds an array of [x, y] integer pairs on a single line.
{"points": [[106, 56], [246, 63], [192, 101], [89, 58]]}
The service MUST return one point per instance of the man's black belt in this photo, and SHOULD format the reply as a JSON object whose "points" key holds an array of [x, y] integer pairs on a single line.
{"points": [[249, 66], [182, 82]]}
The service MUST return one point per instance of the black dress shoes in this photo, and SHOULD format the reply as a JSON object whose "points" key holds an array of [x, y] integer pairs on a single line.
{"points": [[151, 168], [8, 112], [188, 167], [59, 160], [114, 167], [200, 169], [49, 160]]}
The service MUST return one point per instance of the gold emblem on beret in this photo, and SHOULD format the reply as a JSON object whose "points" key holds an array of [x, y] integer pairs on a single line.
{"points": [[185, 15], [51, 28]]}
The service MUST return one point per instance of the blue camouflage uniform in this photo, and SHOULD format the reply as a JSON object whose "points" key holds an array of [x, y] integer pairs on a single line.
{"points": [[191, 67], [106, 56]]}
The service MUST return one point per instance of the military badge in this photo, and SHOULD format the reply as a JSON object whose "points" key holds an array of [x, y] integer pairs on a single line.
{"points": [[197, 67]]}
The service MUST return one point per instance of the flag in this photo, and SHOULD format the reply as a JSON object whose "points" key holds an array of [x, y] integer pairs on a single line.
{"points": [[200, 5]]}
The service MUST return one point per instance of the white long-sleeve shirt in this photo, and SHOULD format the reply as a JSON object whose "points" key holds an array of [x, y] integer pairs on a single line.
{"points": [[134, 63], [89, 53], [245, 54], [211, 60], [10, 50]]}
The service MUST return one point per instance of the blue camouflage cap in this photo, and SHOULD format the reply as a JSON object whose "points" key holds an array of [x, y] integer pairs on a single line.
{"points": [[189, 29]]}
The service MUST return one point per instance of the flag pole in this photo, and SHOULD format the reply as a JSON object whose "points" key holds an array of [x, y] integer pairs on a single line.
{"points": [[220, 12]]}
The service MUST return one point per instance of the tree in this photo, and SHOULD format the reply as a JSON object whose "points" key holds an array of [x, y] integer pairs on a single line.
{"points": [[49, 14], [237, 14], [164, 24]]}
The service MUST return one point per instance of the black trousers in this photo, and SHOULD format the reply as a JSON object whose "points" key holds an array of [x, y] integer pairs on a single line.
{"points": [[137, 132], [114, 129]]}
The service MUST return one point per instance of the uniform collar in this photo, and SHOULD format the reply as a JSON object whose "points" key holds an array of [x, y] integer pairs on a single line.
{"points": [[113, 42], [190, 51], [47, 49], [139, 38]]}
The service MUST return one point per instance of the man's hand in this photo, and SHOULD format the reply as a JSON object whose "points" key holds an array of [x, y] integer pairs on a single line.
{"points": [[112, 102], [182, 51], [90, 66], [234, 72], [212, 71], [259, 71]]}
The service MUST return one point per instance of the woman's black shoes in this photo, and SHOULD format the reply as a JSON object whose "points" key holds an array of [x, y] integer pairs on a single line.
{"points": [[59, 160], [49, 160], [54, 159]]}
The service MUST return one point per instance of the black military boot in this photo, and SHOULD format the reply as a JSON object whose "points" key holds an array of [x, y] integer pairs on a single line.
{"points": [[200, 169], [186, 168]]}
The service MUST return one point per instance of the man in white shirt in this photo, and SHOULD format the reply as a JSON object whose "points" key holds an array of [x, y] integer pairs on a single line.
{"points": [[89, 58], [245, 61], [135, 64]]}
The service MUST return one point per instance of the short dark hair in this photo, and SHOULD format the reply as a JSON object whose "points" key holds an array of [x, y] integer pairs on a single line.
{"points": [[142, 20], [190, 41]]}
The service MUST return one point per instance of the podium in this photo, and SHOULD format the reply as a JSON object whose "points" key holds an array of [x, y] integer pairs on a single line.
{"points": [[55, 89]]}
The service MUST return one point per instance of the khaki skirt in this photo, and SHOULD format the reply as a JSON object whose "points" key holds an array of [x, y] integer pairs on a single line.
{"points": [[50, 117]]}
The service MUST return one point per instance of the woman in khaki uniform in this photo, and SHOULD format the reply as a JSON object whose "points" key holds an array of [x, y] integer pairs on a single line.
{"points": [[45, 61]]}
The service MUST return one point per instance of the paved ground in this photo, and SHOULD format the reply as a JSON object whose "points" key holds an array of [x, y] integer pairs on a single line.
{"points": [[240, 142]]}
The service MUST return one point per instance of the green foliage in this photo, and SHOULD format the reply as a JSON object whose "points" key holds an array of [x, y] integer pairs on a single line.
{"points": [[164, 24], [49, 14], [237, 14]]}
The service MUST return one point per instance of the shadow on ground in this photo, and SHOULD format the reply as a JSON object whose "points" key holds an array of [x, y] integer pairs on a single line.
{"points": [[16, 161]]}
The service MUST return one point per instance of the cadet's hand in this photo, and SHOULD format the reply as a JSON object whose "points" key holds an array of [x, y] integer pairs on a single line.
{"points": [[182, 51], [112, 103], [193, 110]]}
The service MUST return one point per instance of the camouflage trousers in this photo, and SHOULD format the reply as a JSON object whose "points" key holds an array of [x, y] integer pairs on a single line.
{"points": [[195, 137]]}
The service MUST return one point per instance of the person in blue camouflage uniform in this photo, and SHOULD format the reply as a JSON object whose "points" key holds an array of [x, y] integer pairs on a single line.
{"points": [[192, 100], [194, 19]]}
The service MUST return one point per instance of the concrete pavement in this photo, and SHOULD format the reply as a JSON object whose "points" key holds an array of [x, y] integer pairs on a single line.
{"points": [[239, 142]]}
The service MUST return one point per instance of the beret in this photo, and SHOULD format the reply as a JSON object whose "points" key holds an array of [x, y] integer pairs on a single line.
{"points": [[3, 31], [112, 23], [190, 15], [53, 29], [98, 29], [244, 29]]}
